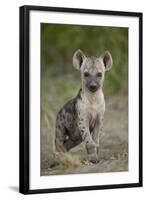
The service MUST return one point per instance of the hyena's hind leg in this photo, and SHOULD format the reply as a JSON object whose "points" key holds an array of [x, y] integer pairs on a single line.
{"points": [[63, 142], [70, 143], [62, 145], [60, 138], [58, 147]]}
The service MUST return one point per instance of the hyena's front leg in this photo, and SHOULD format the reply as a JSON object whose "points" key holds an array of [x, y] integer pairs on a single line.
{"points": [[97, 131], [88, 141]]}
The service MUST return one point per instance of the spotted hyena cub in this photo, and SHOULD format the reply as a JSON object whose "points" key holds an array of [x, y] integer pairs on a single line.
{"points": [[81, 119]]}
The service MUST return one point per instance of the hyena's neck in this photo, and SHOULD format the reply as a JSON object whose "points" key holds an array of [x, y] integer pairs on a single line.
{"points": [[92, 98]]}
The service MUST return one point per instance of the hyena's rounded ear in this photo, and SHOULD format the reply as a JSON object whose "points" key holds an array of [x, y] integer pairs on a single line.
{"points": [[78, 59], [107, 60]]}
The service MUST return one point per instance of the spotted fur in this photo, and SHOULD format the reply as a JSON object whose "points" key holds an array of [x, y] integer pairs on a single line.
{"points": [[81, 118]]}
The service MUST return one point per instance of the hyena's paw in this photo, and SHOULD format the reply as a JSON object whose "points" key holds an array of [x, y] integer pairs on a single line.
{"points": [[91, 147], [53, 163], [93, 158]]}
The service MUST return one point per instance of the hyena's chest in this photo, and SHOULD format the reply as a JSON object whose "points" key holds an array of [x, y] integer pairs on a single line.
{"points": [[90, 111]]}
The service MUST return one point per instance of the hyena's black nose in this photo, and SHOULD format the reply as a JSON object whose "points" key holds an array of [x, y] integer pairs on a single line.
{"points": [[93, 88]]}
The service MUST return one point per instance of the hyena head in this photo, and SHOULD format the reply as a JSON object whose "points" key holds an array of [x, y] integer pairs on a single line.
{"points": [[92, 69]]}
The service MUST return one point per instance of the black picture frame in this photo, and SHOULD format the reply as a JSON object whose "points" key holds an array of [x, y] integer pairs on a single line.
{"points": [[24, 99]]}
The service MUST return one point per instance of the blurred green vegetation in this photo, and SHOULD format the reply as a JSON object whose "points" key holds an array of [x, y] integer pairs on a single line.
{"points": [[59, 42], [59, 80]]}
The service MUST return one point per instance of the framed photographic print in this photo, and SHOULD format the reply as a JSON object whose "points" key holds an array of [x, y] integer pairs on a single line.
{"points": [[80, 99]]}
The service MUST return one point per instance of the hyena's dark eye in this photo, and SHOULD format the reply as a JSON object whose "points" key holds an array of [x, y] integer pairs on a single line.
{"points": [[86, 74], [99, 74]]}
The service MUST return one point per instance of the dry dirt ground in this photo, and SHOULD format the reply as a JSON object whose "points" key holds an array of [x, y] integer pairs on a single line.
{"points": [[113, 151]]}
